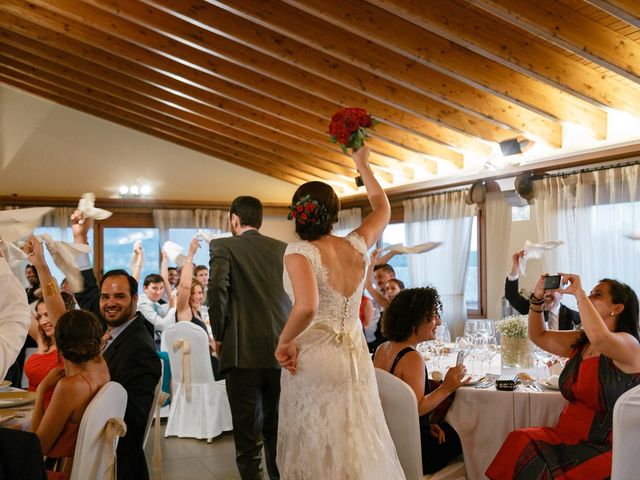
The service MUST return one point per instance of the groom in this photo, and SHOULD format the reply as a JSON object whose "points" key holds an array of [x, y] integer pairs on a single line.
{"points": [[247, 310]]}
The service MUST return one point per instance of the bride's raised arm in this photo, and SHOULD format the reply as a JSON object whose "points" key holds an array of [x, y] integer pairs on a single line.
{"points": [[377, 220]]}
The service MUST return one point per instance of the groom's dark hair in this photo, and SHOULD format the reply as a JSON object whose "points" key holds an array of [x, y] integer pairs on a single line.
{"points": [[249, 211]]}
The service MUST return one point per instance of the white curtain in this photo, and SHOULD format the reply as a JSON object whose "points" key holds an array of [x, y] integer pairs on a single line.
{"points": [[216, 221], [59, 218], [448, 219], [348, 220], [166, 219], [592, 212], [498, 226]]}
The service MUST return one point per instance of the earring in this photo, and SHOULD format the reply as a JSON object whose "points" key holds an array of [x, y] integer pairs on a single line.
{"points": [[611, 314]]}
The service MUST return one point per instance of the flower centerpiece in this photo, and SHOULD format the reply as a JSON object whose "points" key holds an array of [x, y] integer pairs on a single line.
{"points": [[348, 127], [515, 347]]}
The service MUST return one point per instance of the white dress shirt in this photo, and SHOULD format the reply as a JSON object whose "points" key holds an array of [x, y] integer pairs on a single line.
{"points": [[15, 317], [160, 315]]}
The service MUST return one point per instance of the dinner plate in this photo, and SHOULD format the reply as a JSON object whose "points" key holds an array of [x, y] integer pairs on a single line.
{"points": [[14, 399], [8, 415], [548, 386], [5, 384], [475, 379]]}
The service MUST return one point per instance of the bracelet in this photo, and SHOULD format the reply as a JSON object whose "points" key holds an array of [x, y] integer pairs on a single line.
{"points": [[188, 260], [51, 288], [535, 309], [582, 298], [535, 300]]}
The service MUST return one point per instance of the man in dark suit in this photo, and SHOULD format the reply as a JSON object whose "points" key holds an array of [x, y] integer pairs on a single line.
{"points": [[556, 315], [129, 352], [247, 309]]}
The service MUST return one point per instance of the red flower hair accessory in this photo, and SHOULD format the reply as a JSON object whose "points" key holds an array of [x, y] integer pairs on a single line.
{"points": [[307, 211], [348, 127]]}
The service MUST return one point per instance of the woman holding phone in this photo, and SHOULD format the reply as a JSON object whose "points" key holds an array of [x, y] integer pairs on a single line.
{"points": [[604, 363]]}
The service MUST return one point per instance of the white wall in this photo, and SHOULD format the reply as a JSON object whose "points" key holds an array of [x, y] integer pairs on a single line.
{"points": [[47, 149], [279, 227]]}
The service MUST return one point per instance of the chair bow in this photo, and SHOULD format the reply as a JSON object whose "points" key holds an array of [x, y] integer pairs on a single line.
{"points": [[114, 428], [186, 365], [86, 206], [156, 458]]}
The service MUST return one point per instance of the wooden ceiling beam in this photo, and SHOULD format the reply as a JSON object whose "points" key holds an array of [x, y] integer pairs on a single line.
{"points": [[392, 35], [126, 118], [626, 10], [73, 81], [207, 20], [516, 49], [561, 25], [141, 44]]}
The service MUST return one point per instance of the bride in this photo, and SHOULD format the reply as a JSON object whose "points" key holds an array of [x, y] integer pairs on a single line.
{"points": [[331, 423]]}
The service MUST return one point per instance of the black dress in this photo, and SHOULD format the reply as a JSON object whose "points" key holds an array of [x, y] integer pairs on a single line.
{"points": [[435, 456]]}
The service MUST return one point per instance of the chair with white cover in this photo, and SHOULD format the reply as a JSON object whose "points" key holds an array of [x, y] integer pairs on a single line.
{"points": [[401, 415], [100, 427], [199, 404], [626, 436]]}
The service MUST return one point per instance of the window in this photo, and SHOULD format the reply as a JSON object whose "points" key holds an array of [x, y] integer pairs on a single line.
{"points": [[183, 236], [118, 249], [520, 213], [472, 283], [392, 235]]}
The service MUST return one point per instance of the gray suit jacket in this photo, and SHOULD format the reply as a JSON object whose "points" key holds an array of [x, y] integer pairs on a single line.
{"points": [[247, 303]]}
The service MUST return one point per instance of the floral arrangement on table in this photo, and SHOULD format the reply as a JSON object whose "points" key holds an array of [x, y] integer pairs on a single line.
{"points": [[348, 127], [515, 347], [306, 211]]}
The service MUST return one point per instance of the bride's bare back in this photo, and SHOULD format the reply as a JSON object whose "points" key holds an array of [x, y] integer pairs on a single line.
{"points": [[344, 264]]}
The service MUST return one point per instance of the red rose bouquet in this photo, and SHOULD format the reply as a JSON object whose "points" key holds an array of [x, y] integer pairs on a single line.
{"points": [[348, 127]]}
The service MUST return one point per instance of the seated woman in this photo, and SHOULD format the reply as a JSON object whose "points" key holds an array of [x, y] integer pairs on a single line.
{"points": [[190, 300], [412, 317], [48, 310], [79, 340], [604, 363]]}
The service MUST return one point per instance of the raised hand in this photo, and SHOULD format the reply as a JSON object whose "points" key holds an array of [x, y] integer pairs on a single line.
{"points": [[80, 227], [193, 247]]}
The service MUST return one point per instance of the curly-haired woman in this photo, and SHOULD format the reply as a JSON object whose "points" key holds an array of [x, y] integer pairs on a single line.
{"points": [[412, 317]]}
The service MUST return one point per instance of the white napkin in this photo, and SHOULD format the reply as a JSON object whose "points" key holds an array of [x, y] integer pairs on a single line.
{"points": [[634, 236], [86, 205], [64, 256], [553, 380], [535, 251], [20, 223], [174, 253], [204, 236], [135, 255], [421, 248], [13, 254]]}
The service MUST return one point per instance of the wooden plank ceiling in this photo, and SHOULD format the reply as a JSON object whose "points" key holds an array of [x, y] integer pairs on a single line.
{"points": [[254, 82]]}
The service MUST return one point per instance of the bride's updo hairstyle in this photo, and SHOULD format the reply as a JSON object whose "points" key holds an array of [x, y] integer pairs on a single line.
{"points": [[79, 336], [314, 209]]}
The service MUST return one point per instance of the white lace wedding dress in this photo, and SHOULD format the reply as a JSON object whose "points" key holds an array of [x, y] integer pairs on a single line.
{"points": [[331, 424]]}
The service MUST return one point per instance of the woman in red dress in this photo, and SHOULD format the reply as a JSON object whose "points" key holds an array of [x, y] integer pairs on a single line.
{"points": [[604, 363]]}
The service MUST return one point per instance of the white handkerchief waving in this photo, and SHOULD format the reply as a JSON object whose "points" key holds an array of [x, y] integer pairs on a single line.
{"points": [[634, 236], [535, 251], [86, 206], [135, 256], [420, 248], [204, 236], [174, 253], [64, 256], [20, 223]]}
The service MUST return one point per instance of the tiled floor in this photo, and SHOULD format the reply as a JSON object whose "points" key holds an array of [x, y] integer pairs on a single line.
{"points": [[191, 459]]}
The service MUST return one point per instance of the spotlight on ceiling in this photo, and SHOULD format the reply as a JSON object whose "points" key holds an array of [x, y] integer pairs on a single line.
{"points": [[514, 146]]}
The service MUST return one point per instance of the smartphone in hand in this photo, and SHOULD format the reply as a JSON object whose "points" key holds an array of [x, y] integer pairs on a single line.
{"points": [[552, 282]]}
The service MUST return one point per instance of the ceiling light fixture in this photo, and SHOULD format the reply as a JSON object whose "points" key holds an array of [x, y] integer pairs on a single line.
{"points": [[134, 190]]}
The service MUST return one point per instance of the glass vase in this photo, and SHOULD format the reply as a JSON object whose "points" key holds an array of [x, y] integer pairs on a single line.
{"points": [[516, 353]]}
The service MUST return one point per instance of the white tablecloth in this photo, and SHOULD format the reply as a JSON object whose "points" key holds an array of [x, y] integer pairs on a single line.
{"points": [[484, 417]]}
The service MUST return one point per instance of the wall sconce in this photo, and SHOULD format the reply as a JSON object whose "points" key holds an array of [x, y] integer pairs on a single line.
{"points": [[515, 146]]}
